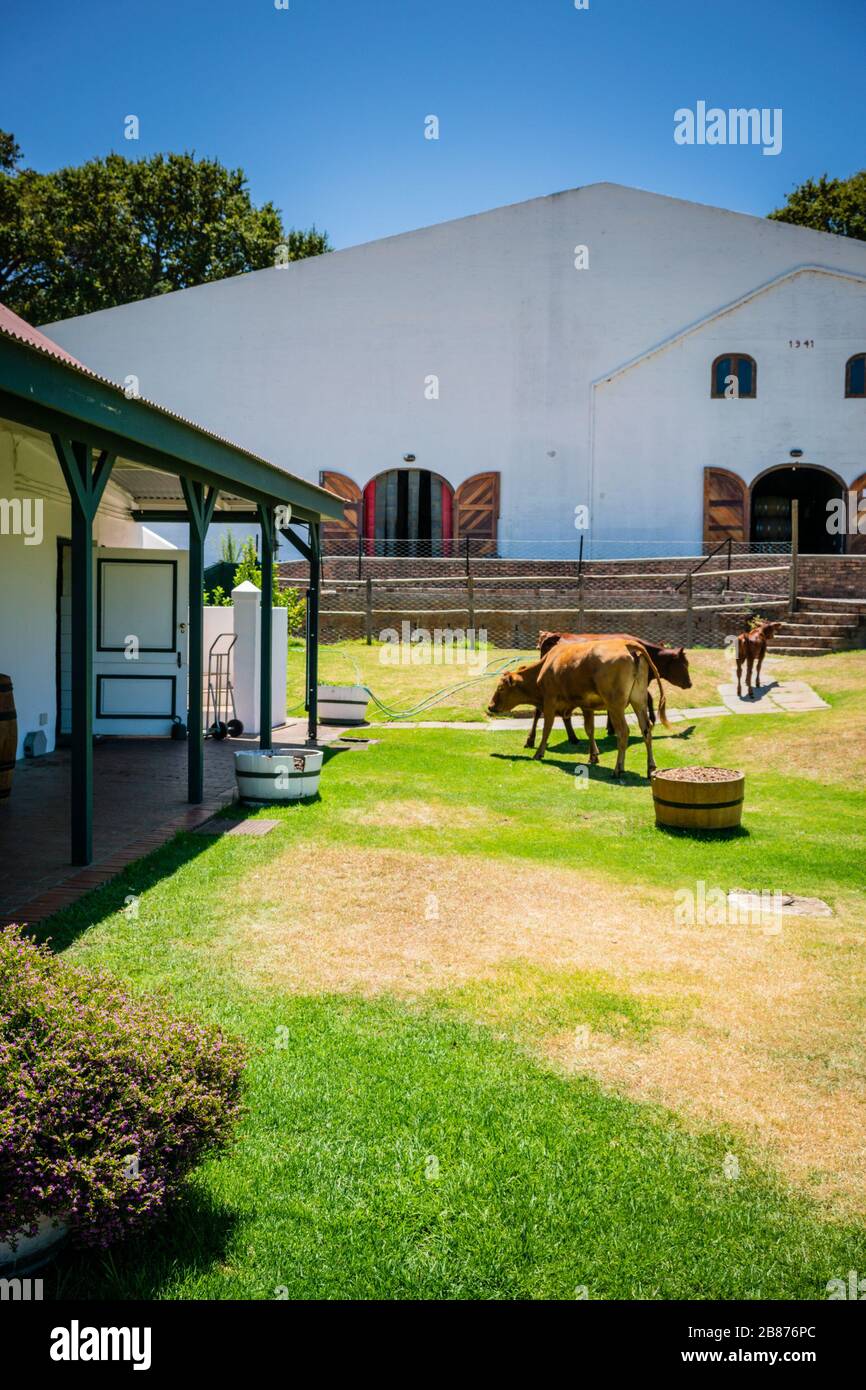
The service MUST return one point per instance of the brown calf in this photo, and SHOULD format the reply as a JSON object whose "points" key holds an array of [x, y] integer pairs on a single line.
{"points": [[751, 650]]}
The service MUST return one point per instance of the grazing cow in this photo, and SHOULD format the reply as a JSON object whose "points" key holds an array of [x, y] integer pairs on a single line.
{"points": [[604, 673], [532, 696], [751, 649], [670, 662]]}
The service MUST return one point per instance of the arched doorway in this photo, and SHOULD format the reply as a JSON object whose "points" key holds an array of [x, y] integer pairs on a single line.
{"points": [[408, 511], [770, 509], [411, 511]]}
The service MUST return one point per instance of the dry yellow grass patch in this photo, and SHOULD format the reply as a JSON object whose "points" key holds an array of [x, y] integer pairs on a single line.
{"points": [[772, 1045], [415, 815]]}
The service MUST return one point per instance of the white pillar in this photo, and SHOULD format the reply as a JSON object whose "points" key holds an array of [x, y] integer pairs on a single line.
{"points": [[246, 674], [248, 620], [278, 665]]}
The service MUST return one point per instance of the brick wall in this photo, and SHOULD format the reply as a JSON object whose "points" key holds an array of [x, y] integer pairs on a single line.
{"points": [[833, 576]]}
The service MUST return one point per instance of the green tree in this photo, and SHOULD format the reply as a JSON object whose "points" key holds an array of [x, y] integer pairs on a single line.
{"points": [[250, 569], [115, 230], [230, 551], [828, 205]]}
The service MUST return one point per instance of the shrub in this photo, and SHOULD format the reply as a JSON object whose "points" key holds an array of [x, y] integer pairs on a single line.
{"points": [[106, 1102], [249, 569]]}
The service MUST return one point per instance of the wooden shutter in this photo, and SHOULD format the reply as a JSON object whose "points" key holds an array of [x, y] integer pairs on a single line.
{"points": [[477, 512], [856, 544], [726, 507], [341, 537]]}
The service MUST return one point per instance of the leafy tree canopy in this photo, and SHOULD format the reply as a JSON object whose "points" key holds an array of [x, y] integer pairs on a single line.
{"points": [[115, 230], [828, 205]]}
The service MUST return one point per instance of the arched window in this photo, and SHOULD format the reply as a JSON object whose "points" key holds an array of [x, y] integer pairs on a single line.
{"points": [[743, 369], [855, 376]]}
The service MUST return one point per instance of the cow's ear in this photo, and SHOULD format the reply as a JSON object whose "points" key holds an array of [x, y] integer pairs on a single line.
{"points": [[681, 651]]}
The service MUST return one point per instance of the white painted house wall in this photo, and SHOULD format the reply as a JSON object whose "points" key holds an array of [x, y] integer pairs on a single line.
{"points": [[28, 574], [323, 364], [656, 425]]}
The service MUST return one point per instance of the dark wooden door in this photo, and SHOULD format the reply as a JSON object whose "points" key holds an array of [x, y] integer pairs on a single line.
{"points": [[477, 512], [726, 507], [341, 537]]}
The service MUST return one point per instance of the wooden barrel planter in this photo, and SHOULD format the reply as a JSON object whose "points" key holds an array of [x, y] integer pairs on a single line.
{"points": [[8, 736], [699, 798], [343, 704], [282, 774]]}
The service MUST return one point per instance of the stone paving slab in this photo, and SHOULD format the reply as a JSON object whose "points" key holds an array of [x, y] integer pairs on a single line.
{"points": [[782, 697], [790, 697]]}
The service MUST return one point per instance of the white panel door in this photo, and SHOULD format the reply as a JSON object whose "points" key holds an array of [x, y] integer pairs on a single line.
{"points": [[140, 657]]}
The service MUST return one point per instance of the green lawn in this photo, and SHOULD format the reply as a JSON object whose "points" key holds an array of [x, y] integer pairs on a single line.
{"points": [[423, 1146]]}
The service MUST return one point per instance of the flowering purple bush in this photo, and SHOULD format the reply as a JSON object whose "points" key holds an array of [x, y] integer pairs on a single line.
{"points": [[106, 1102]]}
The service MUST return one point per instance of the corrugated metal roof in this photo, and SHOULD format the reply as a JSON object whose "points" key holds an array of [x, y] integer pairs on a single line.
{"points": [[13, 326]]}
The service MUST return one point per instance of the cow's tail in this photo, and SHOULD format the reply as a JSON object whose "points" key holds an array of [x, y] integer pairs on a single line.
{"points": [[637, 652]]}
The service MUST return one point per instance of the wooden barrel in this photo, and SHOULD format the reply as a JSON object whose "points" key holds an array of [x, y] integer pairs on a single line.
{"points": [[699, 798], [8, 736]]}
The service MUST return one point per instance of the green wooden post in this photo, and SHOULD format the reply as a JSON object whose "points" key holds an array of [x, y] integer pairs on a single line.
{"points": [[86, 485], [200, 509], [313, 636], [266, 521]]}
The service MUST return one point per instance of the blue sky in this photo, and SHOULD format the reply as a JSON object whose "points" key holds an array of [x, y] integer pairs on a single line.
{"points": [[324, 104]]}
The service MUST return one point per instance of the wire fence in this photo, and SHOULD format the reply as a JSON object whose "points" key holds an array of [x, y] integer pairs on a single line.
{"points": [[464, 550], [694, 602]]}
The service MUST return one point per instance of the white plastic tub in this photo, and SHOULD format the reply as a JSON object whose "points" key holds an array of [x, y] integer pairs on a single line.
{"points": [[283, 774], [31, 1252], [343, 704]]}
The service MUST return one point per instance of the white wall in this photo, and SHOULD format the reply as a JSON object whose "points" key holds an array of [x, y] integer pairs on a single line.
{"points": [[657, 426], [323, 364], [28, 574], [246, 657]]}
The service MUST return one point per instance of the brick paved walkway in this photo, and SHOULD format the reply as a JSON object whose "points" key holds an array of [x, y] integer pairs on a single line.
{"points": [[139, 803]]}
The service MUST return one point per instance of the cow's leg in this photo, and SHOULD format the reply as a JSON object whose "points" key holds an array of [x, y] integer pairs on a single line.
{"points": [[530, 742], [610, 729], [621, 727], [569, 728], [650, 708], [549, 716], [589, 726], [761, 651], [750, 661], [646, 729], [739, 676]]}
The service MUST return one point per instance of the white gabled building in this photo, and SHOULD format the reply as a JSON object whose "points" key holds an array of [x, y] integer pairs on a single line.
{"points": [[487, 376]]}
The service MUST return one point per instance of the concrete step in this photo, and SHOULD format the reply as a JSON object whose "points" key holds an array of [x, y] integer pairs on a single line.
{"points": [[829, 620], [831, 605], [812, 640], [801, 651], [829, 628]]}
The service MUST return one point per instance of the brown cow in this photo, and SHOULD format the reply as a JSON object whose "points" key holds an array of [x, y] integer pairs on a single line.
{"points": [[530, 695], [606, 673], [670, 662], [751, 649]]}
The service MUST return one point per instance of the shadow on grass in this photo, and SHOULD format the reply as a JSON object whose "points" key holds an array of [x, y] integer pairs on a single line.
{"points": [[595, 772], [194, 1235], [734, 832]]}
